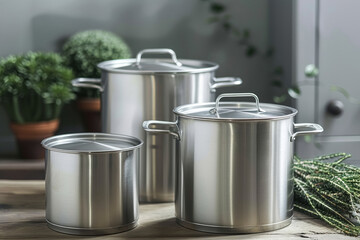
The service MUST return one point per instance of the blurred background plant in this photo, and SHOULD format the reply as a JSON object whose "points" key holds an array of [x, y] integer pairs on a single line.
{"points": [[34, 86], [221, 16], [84, 50]]}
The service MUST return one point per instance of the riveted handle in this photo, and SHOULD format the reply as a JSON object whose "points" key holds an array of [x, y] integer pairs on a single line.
{"points": [[87, 83], [158, 51], [314, 128], [173, 128], [225, 82], [231, 95]]}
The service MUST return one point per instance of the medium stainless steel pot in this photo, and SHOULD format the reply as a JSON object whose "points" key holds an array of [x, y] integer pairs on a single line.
{"points": [[91, 184], [234, 164], [134, 90]]}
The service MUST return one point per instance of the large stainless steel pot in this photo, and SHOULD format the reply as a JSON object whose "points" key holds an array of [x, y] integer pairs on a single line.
{"points": [[134, 90], [91, 184], [234, 164]]}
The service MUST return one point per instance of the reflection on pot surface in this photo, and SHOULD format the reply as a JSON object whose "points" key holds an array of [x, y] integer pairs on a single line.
{"points": [[234, 164], [91, 184], [134, 90]]}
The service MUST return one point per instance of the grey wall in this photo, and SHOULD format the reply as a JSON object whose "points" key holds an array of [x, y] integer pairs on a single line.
{"points": [[43, 25], [281, 39]]}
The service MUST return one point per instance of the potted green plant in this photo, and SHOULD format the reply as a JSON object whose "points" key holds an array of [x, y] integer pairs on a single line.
{"points": [[82, 52], [33, 88]]}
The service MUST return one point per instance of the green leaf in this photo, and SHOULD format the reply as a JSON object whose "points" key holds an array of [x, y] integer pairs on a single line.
{"points": [[345, 93], [294, 92], [341, 90], [227, 26], [277, 83], [311, 70], [217, 8], [278, 70], [280, 99], [250, 51]]}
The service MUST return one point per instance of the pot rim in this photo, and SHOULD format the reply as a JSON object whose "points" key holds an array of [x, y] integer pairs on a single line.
{"points": [[108, 66], [51, 142], [177, 111]]}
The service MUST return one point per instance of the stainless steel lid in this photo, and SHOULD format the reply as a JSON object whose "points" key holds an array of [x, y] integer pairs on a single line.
{"points": [[152, 65], [235, 110], [91, 143]]}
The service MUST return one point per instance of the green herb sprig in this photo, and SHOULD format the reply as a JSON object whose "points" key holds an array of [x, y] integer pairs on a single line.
{"points": [[329, 191]]}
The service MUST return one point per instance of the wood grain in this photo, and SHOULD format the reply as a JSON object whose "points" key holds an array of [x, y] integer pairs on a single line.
{"points": [[22, 216]]}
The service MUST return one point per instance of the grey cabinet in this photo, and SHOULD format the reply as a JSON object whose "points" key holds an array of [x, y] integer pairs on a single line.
{"points": [[327, 33]]}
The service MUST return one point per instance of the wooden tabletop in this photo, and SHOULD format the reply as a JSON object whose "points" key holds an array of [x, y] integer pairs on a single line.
{"points": [[22, 216]]}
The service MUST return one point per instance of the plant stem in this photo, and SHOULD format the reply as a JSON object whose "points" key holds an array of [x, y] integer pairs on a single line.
{"points": [[48, 111], [27, 108], [57, 110], [31, 108], [17, 114], [38, 108], [329, 190]]}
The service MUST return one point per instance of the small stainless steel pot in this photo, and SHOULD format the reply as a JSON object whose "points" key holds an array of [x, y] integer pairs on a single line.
{"points": [[134, 90], [91, 185], [234, 164]]}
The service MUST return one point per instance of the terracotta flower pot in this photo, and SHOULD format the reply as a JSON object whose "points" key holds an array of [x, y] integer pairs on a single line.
{"points": [[90, 113], [30, 135]]}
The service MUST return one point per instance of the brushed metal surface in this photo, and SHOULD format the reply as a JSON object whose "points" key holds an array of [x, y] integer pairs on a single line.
{"points": [[91, 193], [90, 232], [141, 65], [91, 143], [234, 230], [234, 111], [234, 175], [135, 90], [129, 99]]}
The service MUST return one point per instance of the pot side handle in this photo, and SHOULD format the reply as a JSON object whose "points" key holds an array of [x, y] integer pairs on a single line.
{"points": [[173, 128], [314, 128], [225, 82], [87, 83]]}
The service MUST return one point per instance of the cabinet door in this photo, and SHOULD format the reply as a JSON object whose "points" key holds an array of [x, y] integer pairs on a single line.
{"points": [[336, 40]]}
